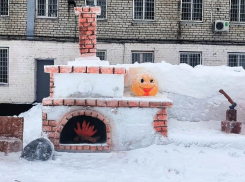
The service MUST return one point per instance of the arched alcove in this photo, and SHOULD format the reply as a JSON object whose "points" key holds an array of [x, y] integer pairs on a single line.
{"points": [[83, 129]]}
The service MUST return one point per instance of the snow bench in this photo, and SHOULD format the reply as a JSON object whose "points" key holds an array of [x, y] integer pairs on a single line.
{"points": [[11, 134]]}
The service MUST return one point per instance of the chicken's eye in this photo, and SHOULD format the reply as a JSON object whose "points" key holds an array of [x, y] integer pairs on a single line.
{"points": [[142, 80], [152, 81]]}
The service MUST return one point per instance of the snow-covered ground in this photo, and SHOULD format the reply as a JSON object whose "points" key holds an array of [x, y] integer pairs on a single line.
{"points": [[193, 152], [152, 164]]}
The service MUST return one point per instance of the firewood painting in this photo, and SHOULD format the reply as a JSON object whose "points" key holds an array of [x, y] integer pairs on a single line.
{"points": [[85, 133], [86, 130], [83, 129]]}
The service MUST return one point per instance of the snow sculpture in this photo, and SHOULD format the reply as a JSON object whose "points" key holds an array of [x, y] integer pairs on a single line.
{"points": [[144, 85], [39, 149]]}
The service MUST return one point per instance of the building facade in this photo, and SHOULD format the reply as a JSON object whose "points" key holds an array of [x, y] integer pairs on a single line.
{"points": [[38, 32]]}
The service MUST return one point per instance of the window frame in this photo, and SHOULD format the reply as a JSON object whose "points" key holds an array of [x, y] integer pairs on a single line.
{"points": [[95, 4], [147, 20], [6, 84], [141, 52], [237, 54], [188, 53], [5, 15], [234, 22], [197, 21], [102, 50], [46, 16]]}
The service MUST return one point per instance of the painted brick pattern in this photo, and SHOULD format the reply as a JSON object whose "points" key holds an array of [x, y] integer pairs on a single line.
{"points": [[53, 129], [87, 29], [104, 103], [11, 133], [160, 122], [85, 69]]}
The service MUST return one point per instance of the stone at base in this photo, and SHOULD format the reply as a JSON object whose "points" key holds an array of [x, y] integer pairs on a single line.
{"points": [[8, 145], [231, 126], [39, 149]]}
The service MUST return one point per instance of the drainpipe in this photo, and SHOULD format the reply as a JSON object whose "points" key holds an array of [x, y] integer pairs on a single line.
{"points": [[123, 53], [212, 11], [30, 19]]}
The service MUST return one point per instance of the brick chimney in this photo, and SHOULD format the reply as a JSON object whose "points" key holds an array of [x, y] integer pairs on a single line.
{"points": [[87, 29]]}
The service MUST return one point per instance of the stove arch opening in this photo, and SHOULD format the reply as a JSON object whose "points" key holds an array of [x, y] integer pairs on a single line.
{"points": [[83, 130]]}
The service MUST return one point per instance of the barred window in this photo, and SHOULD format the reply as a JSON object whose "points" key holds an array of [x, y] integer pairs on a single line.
{"points": [[101, 54], [236, 59], [144, 9], [191, 10], [237, 12], [47, 8], [3, 66], [4, 7], [142, 57], [191, 58], [101, 3]]}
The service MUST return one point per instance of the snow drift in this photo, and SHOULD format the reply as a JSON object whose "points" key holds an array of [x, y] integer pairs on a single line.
{"points": [[195, 91]]}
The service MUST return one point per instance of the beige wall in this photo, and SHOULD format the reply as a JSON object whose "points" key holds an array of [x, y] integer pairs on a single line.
{"points": [[22, 55]]}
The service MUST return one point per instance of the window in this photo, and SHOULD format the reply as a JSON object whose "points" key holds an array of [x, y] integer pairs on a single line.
{"points": [[142, 57], [191, 10], [101, 3], [236, 59], [3, 66], [4, 7], [47, 8], [237, 12], [101, 55], [191, 58], [144, 9]]}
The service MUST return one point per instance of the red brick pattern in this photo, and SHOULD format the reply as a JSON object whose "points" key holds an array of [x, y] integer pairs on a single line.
{"points": [[65, 69], [160, 122], [53, 129], [107, 70], [105, 103], [12, 127], [87, 29], [84, 69], [51, 80]]}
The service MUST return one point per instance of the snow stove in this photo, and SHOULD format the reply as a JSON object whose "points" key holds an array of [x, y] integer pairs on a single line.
{"points": [[89, 108]]}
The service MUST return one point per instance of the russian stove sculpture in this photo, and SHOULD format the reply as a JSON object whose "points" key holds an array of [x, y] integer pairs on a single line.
{"points": [[89, 108]]}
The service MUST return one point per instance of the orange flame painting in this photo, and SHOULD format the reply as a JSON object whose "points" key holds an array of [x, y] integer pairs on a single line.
{"points": [[86, 130]]}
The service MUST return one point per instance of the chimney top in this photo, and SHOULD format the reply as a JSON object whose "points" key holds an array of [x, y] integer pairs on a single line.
{"points": [[87, 29]]}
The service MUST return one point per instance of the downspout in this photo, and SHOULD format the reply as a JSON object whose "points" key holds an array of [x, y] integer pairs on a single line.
{"points": [[123, 53], [30, 19], [212, 11]]}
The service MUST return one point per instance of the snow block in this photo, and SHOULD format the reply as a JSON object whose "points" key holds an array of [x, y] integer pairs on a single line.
{"points": [[8, 145], [39, 149], [75, 85], [11, 134], [231, 127]]}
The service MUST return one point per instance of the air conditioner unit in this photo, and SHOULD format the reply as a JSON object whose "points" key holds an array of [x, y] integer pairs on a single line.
{"points": [[221, 26]]}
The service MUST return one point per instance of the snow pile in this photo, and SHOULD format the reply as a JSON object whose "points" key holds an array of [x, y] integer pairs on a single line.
{"points": [[195, 91], [32, 124]]}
